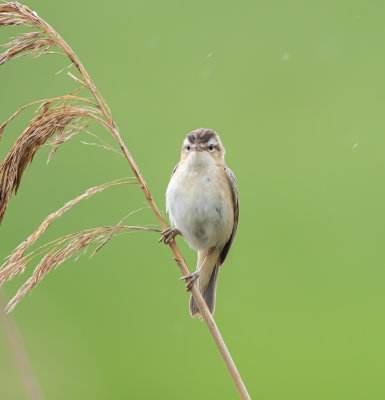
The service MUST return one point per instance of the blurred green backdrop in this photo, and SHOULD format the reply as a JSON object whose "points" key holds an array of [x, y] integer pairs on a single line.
{"points": [[297, 92]]}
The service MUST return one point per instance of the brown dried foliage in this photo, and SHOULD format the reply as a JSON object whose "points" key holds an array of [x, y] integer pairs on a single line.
{"points": [[32, 43], [12, 265], [61, 250], [58, 120], [10, 15], [63, 116], [67, 121]]}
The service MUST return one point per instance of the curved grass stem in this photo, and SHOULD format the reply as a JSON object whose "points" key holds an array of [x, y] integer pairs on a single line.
{"points": [[21, 12]]}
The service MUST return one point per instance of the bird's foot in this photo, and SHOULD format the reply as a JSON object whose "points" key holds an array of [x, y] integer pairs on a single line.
{"points": [[190, 279], [168, 235]]}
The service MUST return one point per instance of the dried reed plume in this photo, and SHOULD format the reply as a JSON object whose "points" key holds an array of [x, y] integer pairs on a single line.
{"points": [[64, 117], [35, 43], [16, 262], [61, 250]]}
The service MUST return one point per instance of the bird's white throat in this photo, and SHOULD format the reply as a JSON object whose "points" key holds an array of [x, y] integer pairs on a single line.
{"points": [[198, 160]]}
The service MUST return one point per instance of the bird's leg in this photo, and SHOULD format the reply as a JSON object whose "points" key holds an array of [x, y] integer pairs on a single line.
{"points": [[168, 235], [191, 278]]}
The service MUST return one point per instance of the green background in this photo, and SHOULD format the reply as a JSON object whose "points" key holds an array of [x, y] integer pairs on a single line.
{"points": [[297, 92]]}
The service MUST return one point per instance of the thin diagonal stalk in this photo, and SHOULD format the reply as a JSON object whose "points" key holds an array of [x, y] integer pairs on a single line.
{"points": [[33, 18], [19, 354]]}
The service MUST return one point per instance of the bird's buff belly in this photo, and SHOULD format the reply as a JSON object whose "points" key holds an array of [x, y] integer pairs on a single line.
{"points": [[201, 213]]}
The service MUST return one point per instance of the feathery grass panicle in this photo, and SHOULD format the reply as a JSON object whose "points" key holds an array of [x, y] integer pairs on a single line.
{"points": [[12, 265], [32, 43], [10, 14], [35, 43], [63, 116], [61, 250], [66, 120]]}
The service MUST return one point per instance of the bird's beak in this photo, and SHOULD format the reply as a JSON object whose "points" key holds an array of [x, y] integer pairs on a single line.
{"points": [[198, 147]]}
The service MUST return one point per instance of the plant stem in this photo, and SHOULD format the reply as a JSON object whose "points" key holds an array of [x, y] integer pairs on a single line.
{"points": [[19, 354], [204, 311]]}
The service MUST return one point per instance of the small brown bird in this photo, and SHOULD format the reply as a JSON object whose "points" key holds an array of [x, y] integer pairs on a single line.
{"points": [[202, 202]]}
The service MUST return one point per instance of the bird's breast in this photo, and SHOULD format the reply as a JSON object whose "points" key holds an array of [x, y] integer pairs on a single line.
{"points": [[199, 203]]}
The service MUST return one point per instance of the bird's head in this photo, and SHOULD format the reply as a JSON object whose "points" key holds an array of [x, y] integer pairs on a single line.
{"points": [[203, 141]]}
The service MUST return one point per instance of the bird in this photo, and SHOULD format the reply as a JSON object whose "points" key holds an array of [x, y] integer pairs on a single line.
{"points": [[203, 206]]}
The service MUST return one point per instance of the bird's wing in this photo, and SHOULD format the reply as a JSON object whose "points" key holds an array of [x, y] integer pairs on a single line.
{"points": [[234, 189]]}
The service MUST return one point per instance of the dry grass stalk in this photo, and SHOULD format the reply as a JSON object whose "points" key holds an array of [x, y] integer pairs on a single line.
{"points": [[15, 13], [9, 15], [33, 43], [63, 116], [102, 143], [12, 265], [61, 250]]}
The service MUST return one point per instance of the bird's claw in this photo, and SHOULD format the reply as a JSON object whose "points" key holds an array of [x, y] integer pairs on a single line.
{"points": [[168, 235], [190, 279]]}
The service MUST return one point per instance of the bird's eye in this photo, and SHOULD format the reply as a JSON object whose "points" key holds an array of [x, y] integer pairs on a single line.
{"points": [[211, 147], [188, 147]]}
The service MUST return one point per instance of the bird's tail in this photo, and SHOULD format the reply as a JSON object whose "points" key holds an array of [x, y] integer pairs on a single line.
{"points": [[207, 281]]}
